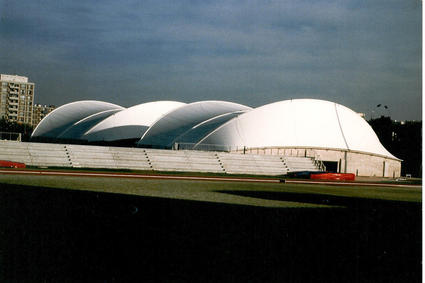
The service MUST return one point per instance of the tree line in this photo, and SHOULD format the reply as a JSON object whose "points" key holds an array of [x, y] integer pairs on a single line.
{"points": [[24, 129], [403, 140]]}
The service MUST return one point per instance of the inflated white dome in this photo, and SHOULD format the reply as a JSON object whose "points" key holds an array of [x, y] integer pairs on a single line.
{"points": [[63, 118], [297, 123], [176, 124], [78, 129], [130, 123], [306, 123]]}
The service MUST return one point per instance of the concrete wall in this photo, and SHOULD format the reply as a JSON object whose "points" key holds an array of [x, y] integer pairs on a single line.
{"points": [[361, 164]]}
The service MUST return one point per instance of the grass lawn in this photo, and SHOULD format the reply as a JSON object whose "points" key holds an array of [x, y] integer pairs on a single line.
{"points": [[213, 191], [85, 229]]}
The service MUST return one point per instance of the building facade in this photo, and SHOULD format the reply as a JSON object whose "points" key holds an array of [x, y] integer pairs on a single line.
{"points": [[40, 111], [16, 99]]}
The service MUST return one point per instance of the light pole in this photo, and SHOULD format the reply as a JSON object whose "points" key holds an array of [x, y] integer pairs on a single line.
{"points": [[386, 107]]}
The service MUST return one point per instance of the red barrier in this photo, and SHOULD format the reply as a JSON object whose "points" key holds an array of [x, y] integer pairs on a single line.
{"points": [[11, 164], [333, 176]]}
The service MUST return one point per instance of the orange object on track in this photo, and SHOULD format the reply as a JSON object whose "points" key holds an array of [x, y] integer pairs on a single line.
{"points": [[334, 176], [11, 164]]}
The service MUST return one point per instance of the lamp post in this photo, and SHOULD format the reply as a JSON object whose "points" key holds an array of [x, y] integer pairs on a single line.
{"points": [[386, 107], [388, 110]]}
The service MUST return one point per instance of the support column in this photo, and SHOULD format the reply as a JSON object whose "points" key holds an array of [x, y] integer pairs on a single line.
{"points": [[345, 162]]}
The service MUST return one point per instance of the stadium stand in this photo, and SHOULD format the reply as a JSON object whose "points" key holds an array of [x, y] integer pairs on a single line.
{"points": [[234, 163], [84, 156], [15, 151], [184, 160], [296, 163], [46, 156], [130, 158]]}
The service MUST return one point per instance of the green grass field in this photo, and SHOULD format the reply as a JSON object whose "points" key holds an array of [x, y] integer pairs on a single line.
{"points": [[98, 229], [214, 191]]}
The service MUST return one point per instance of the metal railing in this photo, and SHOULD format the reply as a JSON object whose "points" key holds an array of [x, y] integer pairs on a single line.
{"points": [[210, 147], [202, 147], [318, 161]]}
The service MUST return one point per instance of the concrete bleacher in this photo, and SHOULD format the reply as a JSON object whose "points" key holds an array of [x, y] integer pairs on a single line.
{"points": [[48, 155], [108, 157], [15, 151], [235, 163], [90, 157], [84, 156], [296, 164], [184, 160], [130, 158]]}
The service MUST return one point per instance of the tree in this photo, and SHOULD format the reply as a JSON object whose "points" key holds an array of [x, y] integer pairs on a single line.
{"points": [[404, 140], [24, 129]]}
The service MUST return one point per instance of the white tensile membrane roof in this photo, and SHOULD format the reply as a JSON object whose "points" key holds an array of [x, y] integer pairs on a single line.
{"points": [[130, 123], [77, 130], [62, 118], [299, 123], [167, 130], [308, 123], [202, 129]]}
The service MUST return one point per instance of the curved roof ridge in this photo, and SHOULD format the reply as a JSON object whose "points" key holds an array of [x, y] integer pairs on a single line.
{"points": [[340, 127], [179, 120], [70, 114]]}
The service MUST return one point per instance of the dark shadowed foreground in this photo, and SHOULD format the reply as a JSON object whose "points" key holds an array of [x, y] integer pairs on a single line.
{"points": [[49, 235]]}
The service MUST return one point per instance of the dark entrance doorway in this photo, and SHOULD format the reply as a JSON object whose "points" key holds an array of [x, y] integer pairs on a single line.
{"points": [[331, 166]]}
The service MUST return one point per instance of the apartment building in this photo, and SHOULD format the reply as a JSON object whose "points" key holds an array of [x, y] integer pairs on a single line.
{"points": [[16, 98], [40, 111]]}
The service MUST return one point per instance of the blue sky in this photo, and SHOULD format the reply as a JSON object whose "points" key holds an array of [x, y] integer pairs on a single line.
{"points": [[356, 53]]}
